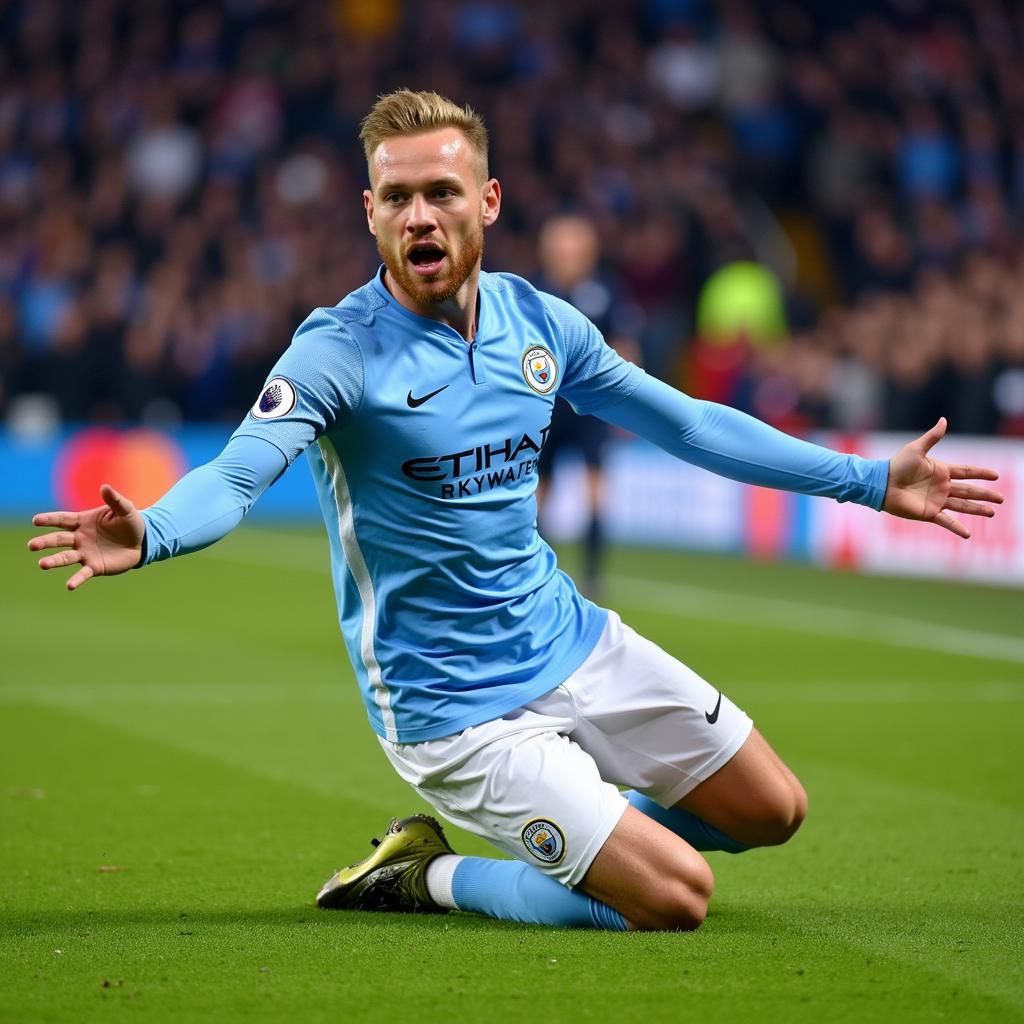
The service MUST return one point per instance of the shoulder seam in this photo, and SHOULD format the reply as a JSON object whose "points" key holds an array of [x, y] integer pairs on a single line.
{"points": [[375, 303], [518, 286]]}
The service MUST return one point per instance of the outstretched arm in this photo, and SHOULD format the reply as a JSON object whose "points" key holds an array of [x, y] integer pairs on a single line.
{"points": [[316, 384], [201, 508], [911, 484], [733, 444]]}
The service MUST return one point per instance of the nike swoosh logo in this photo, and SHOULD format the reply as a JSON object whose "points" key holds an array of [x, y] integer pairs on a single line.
{"points": [[415, 403], [712, 716]]}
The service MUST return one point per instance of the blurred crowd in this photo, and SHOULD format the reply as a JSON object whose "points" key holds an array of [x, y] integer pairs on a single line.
{"points": [[180, 184]]}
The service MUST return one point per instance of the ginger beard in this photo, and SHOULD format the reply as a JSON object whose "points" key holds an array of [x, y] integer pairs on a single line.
{"points": [[454, 272]]}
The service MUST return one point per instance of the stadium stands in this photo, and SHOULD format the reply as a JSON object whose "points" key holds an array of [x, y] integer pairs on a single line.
{"points": [[179, 185]]}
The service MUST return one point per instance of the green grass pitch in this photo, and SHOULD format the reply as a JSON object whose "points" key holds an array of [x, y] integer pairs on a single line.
{"points": [[185, 758]]}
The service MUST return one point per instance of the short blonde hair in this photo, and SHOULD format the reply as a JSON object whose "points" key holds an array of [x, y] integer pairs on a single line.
{"points": [[405, 112]]}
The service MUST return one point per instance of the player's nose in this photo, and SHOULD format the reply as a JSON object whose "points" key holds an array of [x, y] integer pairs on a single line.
{"points": [[421, 214]]}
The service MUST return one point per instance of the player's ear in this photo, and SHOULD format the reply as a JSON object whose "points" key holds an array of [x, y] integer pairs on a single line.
{"points": [[368, 206], [491, 198]]}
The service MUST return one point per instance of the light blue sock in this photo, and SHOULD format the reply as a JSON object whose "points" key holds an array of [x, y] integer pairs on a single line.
{"points": [[696, 831], [513, 891]]}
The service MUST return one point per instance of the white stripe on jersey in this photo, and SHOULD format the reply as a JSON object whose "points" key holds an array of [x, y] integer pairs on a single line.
{"points": [[364, 584]]}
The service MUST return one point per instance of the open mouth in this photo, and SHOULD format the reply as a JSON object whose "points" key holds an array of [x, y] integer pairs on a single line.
{"points": [[426, 259]]}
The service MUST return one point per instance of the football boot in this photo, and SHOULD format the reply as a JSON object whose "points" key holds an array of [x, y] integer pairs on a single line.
{"points": [[394, 876]]}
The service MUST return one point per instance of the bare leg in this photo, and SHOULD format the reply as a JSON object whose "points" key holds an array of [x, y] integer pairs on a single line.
{"points": [[656, 880], [653, 878], [754, 797]]}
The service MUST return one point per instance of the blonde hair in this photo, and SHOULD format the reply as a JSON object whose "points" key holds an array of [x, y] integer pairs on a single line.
{"points": [[405, 112]]}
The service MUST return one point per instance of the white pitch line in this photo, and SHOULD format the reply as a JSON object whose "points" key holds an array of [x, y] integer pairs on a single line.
{"points": [[692, 602], [303, 553]]}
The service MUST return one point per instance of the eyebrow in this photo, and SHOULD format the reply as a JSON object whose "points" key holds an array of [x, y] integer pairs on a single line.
{"points": [[388, 185]]}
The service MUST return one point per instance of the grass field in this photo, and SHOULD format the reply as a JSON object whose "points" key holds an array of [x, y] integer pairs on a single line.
{"points": [[185, 758]]}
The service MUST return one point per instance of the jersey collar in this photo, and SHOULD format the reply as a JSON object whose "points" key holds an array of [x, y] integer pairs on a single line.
{"points": [[425, 323]]}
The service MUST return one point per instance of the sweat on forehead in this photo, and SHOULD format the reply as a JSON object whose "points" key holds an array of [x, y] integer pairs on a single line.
{"points": [[443, 152]]}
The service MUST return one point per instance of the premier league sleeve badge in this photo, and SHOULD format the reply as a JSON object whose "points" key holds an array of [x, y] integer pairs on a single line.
{"points": [[277, 400]]}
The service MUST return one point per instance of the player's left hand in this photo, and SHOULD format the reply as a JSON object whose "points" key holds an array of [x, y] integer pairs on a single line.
{"points": [[924, 488]]}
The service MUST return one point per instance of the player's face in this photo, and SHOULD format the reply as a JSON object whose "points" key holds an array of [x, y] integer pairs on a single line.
{"points": [[427, 206]]}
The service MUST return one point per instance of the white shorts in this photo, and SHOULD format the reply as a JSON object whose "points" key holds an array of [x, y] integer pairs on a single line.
{"points": [[541, 782]]}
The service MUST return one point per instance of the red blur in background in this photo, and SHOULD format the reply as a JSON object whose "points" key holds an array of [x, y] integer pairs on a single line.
{"points": [[142, 464]]}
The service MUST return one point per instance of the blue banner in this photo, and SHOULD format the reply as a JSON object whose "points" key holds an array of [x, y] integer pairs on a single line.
{"points": [[66, 470]]}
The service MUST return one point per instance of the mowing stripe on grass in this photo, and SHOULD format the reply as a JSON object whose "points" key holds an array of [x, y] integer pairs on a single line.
{"points": [[686, 601], [344, 693]]}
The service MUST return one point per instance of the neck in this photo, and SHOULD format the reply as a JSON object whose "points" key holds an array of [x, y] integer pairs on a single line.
{"points": [[457, 312]]}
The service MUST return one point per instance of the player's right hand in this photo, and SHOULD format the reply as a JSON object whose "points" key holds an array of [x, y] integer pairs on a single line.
{"points": [[105, 540]]}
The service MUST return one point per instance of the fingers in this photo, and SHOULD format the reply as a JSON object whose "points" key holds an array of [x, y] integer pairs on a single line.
{"points": [[977, 493], [60, 559], [972, 473], [929, 439], [948, 522], [83, 574], [971, 508], [117, 503], [52, 540], [65, 520]]}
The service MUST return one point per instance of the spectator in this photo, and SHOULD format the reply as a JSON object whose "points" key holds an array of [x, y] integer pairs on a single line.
{"points": [[172, 183]]}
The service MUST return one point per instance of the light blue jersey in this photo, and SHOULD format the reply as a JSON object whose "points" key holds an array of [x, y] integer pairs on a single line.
{"points": [[424, 451], [452, 607]]}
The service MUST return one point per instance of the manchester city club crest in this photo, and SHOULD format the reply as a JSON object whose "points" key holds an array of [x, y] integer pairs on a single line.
{"points": [[278, 399], [540, 370], [544, 840]]}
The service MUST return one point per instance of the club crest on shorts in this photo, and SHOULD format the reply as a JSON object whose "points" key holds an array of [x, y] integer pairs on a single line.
{"points": [[540, 369], [544, 840], [278, 399]]}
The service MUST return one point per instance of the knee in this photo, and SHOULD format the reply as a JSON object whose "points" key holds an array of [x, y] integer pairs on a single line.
{"points": [[794, 811], [785, 814], [680, 903], [774, 818]]}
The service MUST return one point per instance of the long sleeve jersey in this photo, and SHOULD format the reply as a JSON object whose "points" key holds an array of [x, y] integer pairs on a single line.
{"points": [[424, 450]]}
